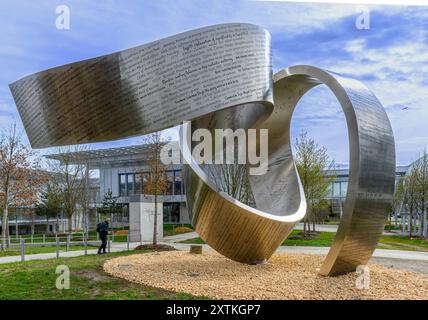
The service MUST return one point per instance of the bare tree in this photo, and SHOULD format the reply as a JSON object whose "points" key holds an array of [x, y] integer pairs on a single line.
{"points": [[410, 198], [20, 175], [311, 162], [70, 178], [157, 183], [398, 200], [231, 179], [421, 178]]}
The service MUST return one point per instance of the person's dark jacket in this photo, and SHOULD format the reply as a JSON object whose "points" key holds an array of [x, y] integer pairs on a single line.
{"points": [[102, 228]]}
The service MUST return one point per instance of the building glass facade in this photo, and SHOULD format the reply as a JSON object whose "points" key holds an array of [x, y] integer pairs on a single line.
{"points": [[133, 183]]}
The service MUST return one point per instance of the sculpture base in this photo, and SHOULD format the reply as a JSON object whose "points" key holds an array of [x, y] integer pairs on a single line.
{"points": [[284, 276]]}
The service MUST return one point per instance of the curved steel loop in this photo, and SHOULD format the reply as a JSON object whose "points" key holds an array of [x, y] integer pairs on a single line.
{"points": [[221, 77], [371, 165]]}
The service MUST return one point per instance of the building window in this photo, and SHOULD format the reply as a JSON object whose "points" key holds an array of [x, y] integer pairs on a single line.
{"points": [[138, 186], [344, 188], [170, 180], [171, 212], [330, 190], [145, 178], [134, 183], [122, 184], [336, 189], [130, 184], [178, 182]]}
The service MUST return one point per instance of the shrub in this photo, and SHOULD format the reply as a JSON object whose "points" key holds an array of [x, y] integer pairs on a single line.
{"points": [[182, 230]]}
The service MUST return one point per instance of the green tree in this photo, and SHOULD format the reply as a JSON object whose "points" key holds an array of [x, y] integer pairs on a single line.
{"points": [[109, 205], [312, 162]]}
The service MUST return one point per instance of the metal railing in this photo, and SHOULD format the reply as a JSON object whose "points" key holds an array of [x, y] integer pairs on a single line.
{"points": [[28, 245]]}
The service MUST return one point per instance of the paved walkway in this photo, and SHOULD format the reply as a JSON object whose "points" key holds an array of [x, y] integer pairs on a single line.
{"points": [[116, 247], [333, 228]]}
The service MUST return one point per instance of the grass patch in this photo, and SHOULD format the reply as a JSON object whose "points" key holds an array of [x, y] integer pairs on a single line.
{"points": [[318, 239], [325, 239], [403, 243], [36, 280], [193, 241]]}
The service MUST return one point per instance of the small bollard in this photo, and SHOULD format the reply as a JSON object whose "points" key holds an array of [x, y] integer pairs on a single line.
{"points": [[196, 249], [44, 238], [127, 242], [22, 249], [108, 243], [67, 246], [57, 247]]}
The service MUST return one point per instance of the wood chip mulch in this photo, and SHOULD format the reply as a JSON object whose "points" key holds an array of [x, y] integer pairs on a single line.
{"points": [[155, 247], [285, 276]]}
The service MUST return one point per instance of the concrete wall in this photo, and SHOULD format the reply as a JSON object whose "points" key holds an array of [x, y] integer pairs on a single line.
{"points": [[184, 214], [141, 219]]}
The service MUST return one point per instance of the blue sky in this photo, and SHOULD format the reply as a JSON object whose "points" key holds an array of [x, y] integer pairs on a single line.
{"points": [[391, 58]]}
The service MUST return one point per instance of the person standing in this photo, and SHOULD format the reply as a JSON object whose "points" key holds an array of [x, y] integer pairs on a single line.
{"points": [[102, 229]]}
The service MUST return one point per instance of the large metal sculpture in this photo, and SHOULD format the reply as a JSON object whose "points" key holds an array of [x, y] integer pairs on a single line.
{"points": [[221, 77]]}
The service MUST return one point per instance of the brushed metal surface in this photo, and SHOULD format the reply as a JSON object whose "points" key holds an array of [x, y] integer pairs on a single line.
{"points": [[221, 77], [371, 160], [147, 88]]}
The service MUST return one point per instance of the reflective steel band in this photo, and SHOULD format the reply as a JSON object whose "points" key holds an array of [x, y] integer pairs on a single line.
{"points": [[221, 77]]}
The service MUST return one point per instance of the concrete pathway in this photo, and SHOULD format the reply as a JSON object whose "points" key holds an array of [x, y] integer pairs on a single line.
{"points": [[116, 247], [333, 228], [180, 237]]}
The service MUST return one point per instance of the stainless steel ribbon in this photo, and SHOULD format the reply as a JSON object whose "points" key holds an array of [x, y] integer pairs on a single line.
{"points": [[221, 76]]}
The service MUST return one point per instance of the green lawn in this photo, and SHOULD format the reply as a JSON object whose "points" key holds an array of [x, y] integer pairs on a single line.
{"points": [[36, 280], [403, 243], [324, 239], [34, 250]]}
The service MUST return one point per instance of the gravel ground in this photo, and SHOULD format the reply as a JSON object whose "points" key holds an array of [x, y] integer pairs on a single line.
{"points": [[286, 276]]}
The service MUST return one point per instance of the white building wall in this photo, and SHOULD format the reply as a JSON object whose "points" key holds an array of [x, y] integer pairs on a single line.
{"points": [[141, 220]]}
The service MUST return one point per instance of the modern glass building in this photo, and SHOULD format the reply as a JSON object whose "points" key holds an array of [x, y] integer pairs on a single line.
{"points": [[124, 172], [339, 187]]}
